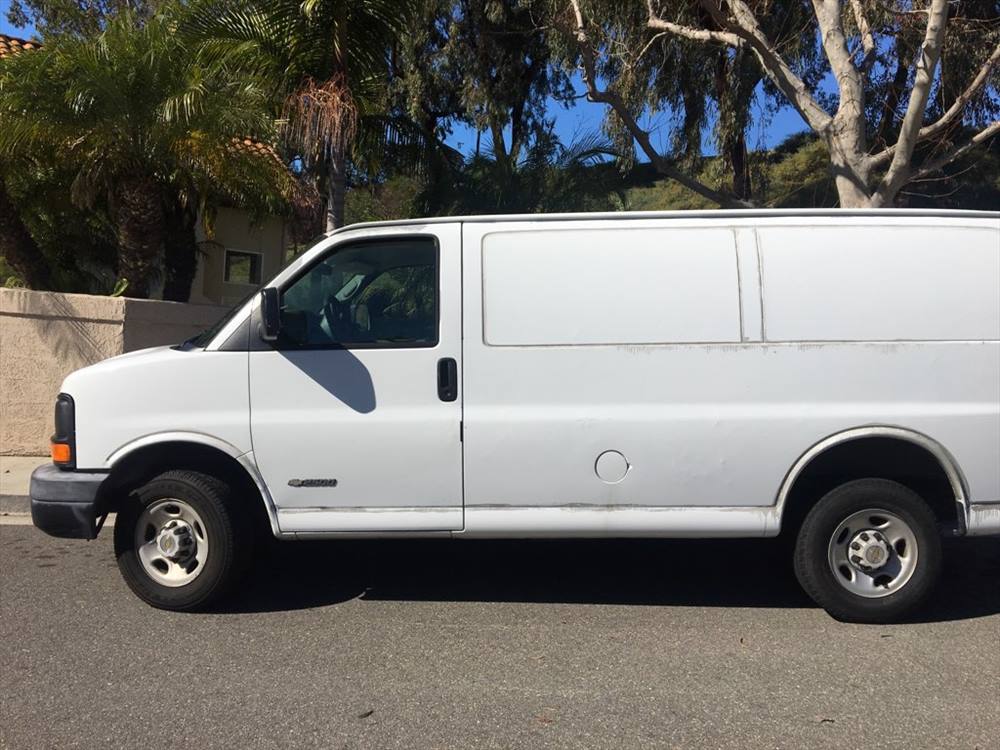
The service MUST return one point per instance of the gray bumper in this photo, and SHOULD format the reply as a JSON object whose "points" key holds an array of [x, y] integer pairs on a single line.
{"points": [[65, 503], [983, 519]]}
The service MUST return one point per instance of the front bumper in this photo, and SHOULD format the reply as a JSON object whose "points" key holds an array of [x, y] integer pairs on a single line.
{"points": [[66, 503]]}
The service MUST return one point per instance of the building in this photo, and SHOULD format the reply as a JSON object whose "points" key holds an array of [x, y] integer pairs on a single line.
{"points": [[241, 256]]}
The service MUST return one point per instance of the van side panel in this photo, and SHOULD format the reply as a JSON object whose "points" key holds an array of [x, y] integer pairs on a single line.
{"points": [[583, 287], [880, 283], [715, 424]]}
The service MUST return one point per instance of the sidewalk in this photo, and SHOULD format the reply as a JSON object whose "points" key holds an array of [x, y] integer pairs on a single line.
{"points": [[15, 475]]}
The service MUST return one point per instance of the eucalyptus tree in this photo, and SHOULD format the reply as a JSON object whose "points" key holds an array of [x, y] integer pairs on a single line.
{"points": [[547, 177], [147, 133], [487, 64], [325, 64], [893, 117], [646, 75], [77, 17]]}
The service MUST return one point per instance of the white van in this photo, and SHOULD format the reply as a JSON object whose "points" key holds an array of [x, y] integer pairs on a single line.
{"points": [[833, 375]]}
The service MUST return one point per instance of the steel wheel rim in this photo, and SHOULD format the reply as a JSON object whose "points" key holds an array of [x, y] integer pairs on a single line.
{"points": [[873, 580], [171, 542]]}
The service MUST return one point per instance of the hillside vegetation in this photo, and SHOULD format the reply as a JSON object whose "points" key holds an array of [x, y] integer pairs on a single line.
{"points": [[793, 175]]}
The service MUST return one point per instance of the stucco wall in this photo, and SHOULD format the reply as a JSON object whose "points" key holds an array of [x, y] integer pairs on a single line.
{"points": [[44, 336], [155, 323]]}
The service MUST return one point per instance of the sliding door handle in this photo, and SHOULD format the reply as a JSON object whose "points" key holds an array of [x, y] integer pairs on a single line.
{"points": [[447, 379]]}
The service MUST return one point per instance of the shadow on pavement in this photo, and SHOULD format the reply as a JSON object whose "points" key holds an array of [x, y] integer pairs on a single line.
{"points": [[703, 573]]}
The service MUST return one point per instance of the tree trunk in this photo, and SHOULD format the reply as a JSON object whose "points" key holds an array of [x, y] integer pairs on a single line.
{"points": [[849, 195], [850, 179], [887, 119], [742, 187], [336, 186], [849, 165], [308, 213], [734, 114], [139, 221], [180, 252], [900, 169], [18, 247]]}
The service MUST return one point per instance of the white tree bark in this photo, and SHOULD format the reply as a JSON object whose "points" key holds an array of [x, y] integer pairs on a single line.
{"points": [[595, 94], [845, 137], [844, 131], [953, 112], [955, 152], [928, 55], [867, 38], [697, 35], [742, 22]]}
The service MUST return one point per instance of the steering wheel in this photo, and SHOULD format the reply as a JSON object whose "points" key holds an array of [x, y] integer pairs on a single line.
{"points": [[337, 315]]}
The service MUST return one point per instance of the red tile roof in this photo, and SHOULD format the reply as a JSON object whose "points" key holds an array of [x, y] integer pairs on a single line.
{"points": [[256, 148], [11, 45]]}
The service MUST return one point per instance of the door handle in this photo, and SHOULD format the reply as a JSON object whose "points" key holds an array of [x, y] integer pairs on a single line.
{"points": [[447, 379]]}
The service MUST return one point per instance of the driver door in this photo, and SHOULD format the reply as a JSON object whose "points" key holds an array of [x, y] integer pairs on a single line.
{"points": [[356, 408]]}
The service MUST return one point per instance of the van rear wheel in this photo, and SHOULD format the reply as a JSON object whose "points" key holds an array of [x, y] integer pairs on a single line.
{"points": [[869, 551], [179, 544]]}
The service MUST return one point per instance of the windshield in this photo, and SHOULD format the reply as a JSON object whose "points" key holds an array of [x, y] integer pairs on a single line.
{"points": [[201, 340]]}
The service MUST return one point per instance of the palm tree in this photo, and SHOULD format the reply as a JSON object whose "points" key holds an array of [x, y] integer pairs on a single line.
{"points": [[150, 133], [326, 64], [18, 247]]}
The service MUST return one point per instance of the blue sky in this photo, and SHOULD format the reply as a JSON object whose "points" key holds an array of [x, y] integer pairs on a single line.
{"points": [[585, 118], [6, 28]]}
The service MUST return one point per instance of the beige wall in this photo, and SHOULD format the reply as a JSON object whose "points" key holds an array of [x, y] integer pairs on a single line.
{"points": [[234, 230], [44, 336]]}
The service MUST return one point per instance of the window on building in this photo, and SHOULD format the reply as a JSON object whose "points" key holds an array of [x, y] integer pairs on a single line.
{"points": [[243, 268]]}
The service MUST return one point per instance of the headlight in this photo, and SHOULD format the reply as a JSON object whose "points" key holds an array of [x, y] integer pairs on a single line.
{"points": [[64, 439]]}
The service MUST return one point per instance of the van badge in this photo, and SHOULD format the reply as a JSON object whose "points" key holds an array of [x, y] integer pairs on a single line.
{"points": [[312, 482]]}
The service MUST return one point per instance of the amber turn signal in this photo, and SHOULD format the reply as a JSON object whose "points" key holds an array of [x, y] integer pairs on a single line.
{"points": [[61, 453]]}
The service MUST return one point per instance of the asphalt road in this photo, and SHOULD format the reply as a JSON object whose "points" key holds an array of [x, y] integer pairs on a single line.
{"points": [[490, 644]]}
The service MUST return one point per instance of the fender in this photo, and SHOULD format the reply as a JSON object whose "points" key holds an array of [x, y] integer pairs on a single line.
{"points": [[947, 462], [244, 458]]}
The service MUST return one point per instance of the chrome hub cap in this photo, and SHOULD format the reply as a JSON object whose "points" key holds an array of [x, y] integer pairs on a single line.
{"points": [[171, 542], [873, 553], [176, 541], [869, 551]]}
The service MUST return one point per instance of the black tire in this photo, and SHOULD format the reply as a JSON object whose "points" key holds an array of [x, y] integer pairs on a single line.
{"points": [[227, 530], [815, 572]]}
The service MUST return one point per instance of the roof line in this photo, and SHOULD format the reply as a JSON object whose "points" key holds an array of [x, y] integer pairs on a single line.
{"points": [[704, 214], [21, 39], [13, 45]]}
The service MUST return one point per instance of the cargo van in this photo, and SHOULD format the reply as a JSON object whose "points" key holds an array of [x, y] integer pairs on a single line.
{"points": [[832, 376]]}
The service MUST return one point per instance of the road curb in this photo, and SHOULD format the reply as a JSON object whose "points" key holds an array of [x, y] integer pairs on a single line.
{"points": [[15, 504]]}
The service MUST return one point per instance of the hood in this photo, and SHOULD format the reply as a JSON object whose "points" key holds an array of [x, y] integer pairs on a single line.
{"points": [[159, 356]]}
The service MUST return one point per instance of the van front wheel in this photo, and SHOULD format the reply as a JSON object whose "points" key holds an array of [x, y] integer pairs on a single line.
{"points": [[178, 541], [869, 551]]}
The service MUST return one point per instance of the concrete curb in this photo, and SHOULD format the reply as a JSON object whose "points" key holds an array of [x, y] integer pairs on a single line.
{"points": [[15, 504]]}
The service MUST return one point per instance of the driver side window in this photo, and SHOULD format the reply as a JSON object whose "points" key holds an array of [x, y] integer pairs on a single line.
{"points": [[369, 294]]}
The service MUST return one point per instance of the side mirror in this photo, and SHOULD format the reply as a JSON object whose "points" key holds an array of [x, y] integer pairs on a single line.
{"points": [[270, 313]]}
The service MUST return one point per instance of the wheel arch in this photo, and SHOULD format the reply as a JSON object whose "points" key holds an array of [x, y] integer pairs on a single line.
{"points": [[843, 450], [135, 463]]}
